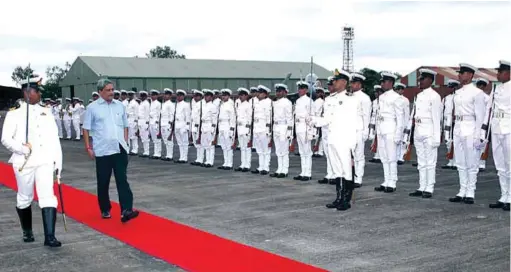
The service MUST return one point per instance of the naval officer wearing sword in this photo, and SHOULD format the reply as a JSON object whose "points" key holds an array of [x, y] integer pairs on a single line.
{"points": [[36, 156]]}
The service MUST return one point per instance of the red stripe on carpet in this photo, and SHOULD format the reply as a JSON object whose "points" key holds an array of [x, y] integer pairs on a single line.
{"points": [[178, 244]]}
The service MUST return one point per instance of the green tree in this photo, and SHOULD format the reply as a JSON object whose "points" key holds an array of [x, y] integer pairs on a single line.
{"points": [[21, 73], [54, 75], [372, 78], [164, 52]]}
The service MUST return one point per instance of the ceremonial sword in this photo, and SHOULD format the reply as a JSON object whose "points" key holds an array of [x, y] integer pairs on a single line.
{"points": [[61, 199], [27, 101]]}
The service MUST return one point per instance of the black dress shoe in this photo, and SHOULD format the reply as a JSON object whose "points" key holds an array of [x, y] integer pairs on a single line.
{"points": [[427, 195], [468, 200], [245, 170], [305, 178], [255, 171], [238, 169], [357, 185], [416, 193], [281, 175], [456, 199], [400, 162], [415, 164], [323, 181], [221, 167], [127, 215], [227, 168], [454, 168], [195, 163], [297, 177], [498, 205], [506, 207], [264, 172], [446, 167], [380, 188], [144, 156], [133, 154], [331, 181], [389, 190], [106, 215], [166, 159], [482, 169], [274, 175], [208, 165]]}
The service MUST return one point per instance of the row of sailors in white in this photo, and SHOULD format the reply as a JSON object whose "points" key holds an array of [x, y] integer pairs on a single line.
{"points": [[71, 115]]}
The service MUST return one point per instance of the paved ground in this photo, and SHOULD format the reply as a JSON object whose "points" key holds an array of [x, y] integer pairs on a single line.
{"points": [[382, 232]]}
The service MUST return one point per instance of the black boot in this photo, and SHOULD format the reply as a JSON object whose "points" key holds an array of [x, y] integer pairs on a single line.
{"points": [[337, 200], [25, 216], [49, 218], [347, 189]]}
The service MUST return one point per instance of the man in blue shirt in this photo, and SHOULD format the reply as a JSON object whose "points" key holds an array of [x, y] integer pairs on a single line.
{"points": [[106, 120]]}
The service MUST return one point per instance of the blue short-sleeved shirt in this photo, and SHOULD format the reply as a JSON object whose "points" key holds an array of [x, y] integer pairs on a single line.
{"points": [[107, 122]]}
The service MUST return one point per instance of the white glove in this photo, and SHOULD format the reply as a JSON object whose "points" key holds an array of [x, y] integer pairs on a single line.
{"points": [[371, 136], [58, 168], [397, 139]]}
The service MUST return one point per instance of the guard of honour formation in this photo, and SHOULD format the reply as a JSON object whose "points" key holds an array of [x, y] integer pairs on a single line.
{"points": [[335, 125]]}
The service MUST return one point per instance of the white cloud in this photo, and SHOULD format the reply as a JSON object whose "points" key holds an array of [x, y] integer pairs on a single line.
{"points": [[394, 36]]}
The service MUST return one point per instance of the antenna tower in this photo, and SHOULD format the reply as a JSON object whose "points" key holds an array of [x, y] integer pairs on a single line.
{"points": [[348, 35]]}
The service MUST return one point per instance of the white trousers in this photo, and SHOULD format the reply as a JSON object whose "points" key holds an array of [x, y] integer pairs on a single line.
{"points": [[226, 141], [132, 135], [401, 151], [154, 129], [329, 172], [360, 159], [339, 157], [501, 145], [282, 152], [467, 162], [169, 144], [198, 147], [207, 147], [42, 176], [76, 126], [143, 131], [181, 136], [426, 163], [377, 153], [246, 152], [59, 126], [388, 149], [261, 141], [304, 147], [67, 126]]}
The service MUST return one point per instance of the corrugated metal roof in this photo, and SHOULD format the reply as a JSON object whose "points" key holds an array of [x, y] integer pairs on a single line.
{"points": [[451, 72], [198, 68]]}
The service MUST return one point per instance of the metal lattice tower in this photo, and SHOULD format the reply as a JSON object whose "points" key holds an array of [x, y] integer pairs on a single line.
{"points": [[348, 35]]}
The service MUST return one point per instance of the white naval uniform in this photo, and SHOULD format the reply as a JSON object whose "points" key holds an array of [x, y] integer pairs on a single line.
{"points": [[56, 111], [406, 117], [345, 133], [318, 108], [262, 123], [374, 106], [244, 122], [154, 127], [132, 115], [77, 113], [363, 117], [282, 132], [226, 126], [304, 133], [67, 120], [196, 109], [143, 114], [253, 101], [428, 113], [469, 107], [181, 128], [46, 154], [389, 129], [448, 107], [209, 120], [501, 137], [125, 102], [167, 118], [482, 163]]}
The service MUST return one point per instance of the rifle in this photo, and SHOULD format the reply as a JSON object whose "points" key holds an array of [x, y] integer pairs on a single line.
{"points": [[409, 132], [173, 125], [487, 135], [374, 144], [215, 140], [293, 142], [450, 151], [271, 124], [200, 122], [235, 141], [320, 134], [251, 126]]}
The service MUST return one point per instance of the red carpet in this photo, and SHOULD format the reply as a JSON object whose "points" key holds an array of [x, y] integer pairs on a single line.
{"points": [[184, 246]]}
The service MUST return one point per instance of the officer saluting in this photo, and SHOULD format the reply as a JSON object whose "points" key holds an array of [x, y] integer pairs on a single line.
{"points": [[35, 158]]}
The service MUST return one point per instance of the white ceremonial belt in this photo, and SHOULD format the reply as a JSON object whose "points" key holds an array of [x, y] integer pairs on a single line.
{"points": [[280, 122], [501, 115], [465, 118]]}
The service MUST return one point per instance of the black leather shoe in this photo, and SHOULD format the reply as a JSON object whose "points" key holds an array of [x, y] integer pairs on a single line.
{"points": [[106, 215], [456, 199], [389, 190], [415, 164], [338, 190], [331, 181], [25, 216], [400, 162], [144, 156], [274, 175], [498, 205], [380, 188], [245, 170], [255, 171], [357, 185], [323, 181], [49, 219], [207, 165], [133, 154], [127, 215], [446, 167], [281, 175], [239, 169], [227, 168], [506, 207], [297, 177], [416, 193], [468, 200], [195, 163], [264, 172], [482, 169], [221, 167], [427, 195], [306, 178]]}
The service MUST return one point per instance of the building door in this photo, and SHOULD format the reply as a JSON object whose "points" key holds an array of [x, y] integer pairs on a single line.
{"points": [[72, 91]]}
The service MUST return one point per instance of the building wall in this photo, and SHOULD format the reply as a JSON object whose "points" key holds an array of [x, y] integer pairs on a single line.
{"points": [[79, 74], [83, 91]]}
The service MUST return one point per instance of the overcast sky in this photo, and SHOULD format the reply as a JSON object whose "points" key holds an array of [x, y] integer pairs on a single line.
{"points": [[396, 36]]}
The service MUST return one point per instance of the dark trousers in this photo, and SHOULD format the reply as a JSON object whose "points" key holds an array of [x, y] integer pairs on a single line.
{"points": [[104, 166]]}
